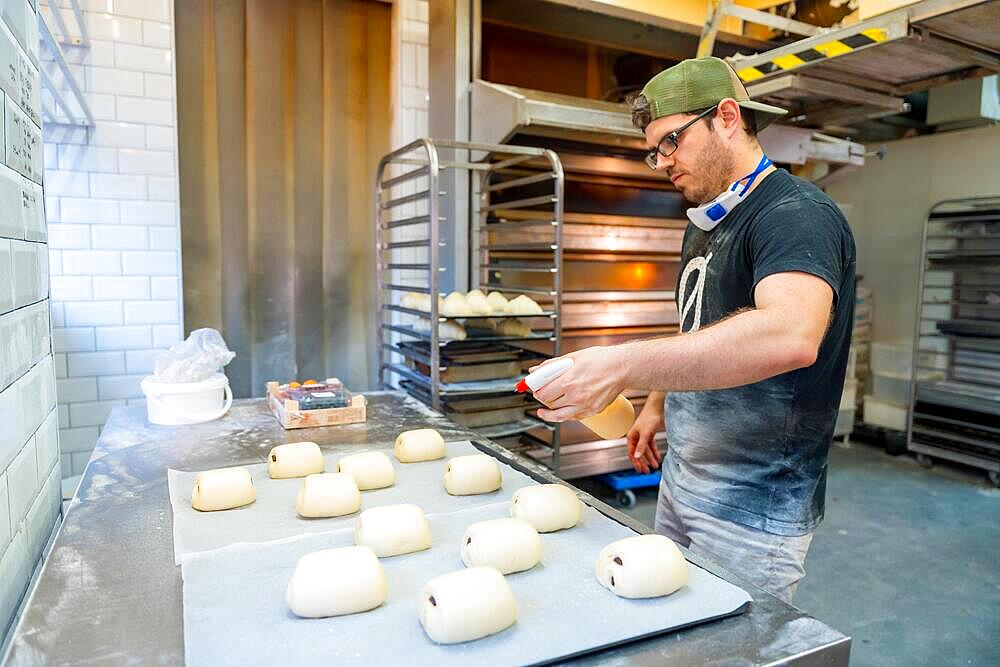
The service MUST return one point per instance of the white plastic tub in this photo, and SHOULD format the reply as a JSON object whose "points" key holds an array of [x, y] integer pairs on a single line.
{"points": [[175, 403]]}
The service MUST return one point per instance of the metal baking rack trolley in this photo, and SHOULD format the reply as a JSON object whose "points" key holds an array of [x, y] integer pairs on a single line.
{"points": [[955, 393], [411, 237]]}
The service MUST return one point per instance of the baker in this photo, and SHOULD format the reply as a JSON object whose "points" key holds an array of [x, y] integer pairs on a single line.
{"points": [[751, 387]]}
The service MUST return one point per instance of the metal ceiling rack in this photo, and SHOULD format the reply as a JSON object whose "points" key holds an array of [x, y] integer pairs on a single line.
{"points": [[409, 242], [955, 394], [78, 112], [863, 71]]}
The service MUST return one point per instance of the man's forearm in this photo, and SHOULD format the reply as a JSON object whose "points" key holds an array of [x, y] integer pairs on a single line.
{"points": [[748, 347], [654, 401]]}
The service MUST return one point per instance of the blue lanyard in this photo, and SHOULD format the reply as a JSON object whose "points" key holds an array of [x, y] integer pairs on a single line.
{"points": [[764, 163]]}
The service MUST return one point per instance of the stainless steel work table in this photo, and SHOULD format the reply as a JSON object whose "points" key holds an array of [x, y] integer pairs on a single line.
{"points": [[110, 593]]}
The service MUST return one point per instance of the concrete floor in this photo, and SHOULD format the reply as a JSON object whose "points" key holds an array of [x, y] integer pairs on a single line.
{"points": [[907, 561]]}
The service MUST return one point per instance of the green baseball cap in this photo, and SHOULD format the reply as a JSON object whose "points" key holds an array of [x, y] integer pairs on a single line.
{"points": [[699, 83]]}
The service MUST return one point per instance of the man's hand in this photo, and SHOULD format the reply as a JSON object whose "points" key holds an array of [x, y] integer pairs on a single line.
{"points": [[589, 386], [642, 451]]}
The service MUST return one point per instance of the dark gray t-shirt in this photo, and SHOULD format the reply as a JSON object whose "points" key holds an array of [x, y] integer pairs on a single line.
{"points": [[757, 454]]}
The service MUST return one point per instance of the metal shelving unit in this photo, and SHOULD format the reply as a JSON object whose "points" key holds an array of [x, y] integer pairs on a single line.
{"points": [[955, 395], [409, 221]]}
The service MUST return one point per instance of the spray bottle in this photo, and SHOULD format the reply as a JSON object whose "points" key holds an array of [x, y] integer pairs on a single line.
{"points": [[612, 422]]}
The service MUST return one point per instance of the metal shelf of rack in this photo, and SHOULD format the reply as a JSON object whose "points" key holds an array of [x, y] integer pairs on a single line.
{"points": [[955, 397], [408, 204]]}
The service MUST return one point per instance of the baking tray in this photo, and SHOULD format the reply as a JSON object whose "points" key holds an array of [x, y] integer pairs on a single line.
{"points": [[227, 622]]}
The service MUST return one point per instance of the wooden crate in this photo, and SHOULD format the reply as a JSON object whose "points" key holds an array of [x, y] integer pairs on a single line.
{"points": [[289, 416]]}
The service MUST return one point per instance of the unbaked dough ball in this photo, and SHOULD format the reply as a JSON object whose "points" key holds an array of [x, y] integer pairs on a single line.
{"points": [[328, 494], [455, 306], [465, 605], [514, 328], [416, 301], [222, 489], [370, 470], [392, 530], [477, 304], [547, 507], [422, 444], [295, 459], [509, 545], [447, 330], [472, 474], [644, 566], [523, 305], [498, 303], [333, 582]]}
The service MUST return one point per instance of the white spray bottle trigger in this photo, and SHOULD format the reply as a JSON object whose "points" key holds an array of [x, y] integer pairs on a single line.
{"points": [[544, 375]]}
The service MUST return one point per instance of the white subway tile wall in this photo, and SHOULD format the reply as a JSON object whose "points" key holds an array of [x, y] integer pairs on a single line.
{"points": [[114, 223], [29, 422]]}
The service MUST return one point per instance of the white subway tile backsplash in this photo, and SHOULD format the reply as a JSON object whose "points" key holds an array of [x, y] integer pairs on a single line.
{"points": [[58, 312], [161, 138], [59, 362], [156, 163], [73, 440], [11, 226], [6, 276], [22, 482], [159, 35], [124, 287], [159, 86], [122, 386], [155, 10], [163, 238], [26, 272], [11, 435], [101, 211], [87, 158], [42, 281], [158, 263], [143, 58], [72, 288], [17, 567], [124, 338], [100, 54], [91, 414], [80, 461], [162, 188], [63, 411], [69, 237], [74, 390], [149, 213], [113, 81], [66, 465], [118, 186], [120, 237], [94, 313], [145, 110], [91, 262], [42, 515], [118, 135], [55, 262], [151, 312], [47, 444], [5, 527], [141, 361], [102, 106], [112, 28], [88, 364], [167, 287], [166, 335]]}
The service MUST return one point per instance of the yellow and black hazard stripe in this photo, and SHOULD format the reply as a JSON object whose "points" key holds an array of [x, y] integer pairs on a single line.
{"points": [[831, 49]]}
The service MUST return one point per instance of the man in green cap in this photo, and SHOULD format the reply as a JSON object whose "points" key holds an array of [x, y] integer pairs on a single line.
{"points": [[765, 295]]}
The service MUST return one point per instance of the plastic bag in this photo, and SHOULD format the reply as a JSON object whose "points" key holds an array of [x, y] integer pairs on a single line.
{"points": [[201, 356]]}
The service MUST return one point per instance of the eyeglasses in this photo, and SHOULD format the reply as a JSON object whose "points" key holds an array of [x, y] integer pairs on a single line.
{"points": [[671, 139]]}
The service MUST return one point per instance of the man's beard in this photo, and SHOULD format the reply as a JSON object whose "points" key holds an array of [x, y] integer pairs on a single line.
{"points": [[715, 164]]}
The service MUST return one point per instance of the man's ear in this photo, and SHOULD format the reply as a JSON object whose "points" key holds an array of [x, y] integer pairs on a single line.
{"points": [[729, 115]]}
